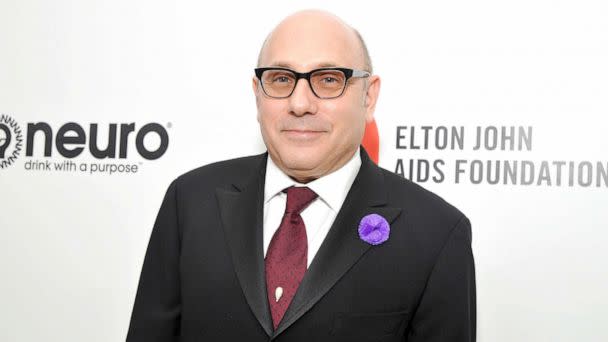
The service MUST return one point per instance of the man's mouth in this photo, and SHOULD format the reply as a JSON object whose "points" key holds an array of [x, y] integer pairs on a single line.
{"points": [[302, 134]]}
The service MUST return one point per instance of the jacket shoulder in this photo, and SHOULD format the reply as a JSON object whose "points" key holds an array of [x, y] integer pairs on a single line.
{"points": [[222, 174], [427, 211]]}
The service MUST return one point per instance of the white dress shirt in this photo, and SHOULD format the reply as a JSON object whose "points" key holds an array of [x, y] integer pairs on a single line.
{"points": [[320, 214]]}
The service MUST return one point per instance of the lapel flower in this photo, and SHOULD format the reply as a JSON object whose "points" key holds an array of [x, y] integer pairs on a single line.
{"points": [[374, 229]]}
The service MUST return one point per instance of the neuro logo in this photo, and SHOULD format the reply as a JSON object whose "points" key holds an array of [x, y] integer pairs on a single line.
{"points": [[48, 147], [11, 140]]}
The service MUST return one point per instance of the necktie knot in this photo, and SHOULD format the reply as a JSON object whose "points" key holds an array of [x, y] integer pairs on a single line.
{"points": [[298, 198]]}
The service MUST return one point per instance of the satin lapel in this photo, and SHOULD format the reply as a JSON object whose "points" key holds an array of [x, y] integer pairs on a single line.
{"points": [[342, 246], [241, 212]]}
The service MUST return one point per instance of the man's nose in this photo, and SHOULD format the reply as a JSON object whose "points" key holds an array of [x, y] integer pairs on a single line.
{"points": [[302, 101]]}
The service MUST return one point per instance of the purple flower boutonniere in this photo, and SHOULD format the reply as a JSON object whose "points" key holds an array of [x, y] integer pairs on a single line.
{"points": [[374, 229]]}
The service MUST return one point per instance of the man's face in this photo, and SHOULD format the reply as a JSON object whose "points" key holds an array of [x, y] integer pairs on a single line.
{"points": [[308, 137]]}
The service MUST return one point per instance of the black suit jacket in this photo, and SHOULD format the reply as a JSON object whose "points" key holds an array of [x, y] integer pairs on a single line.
{"points": [[203, 274]]}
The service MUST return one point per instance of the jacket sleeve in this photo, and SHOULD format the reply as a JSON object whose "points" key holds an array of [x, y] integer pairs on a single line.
{"points": [[447, 308], [157, 308]]}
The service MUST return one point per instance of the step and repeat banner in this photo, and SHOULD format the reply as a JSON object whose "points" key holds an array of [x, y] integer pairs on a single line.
{"points": [[498, 106]]}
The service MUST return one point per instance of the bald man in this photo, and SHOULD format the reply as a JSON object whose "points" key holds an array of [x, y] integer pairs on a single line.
{"points": [[310, 241]]}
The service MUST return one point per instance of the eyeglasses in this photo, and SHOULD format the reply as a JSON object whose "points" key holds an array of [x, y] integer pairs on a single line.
{"points": [[325, 83]]}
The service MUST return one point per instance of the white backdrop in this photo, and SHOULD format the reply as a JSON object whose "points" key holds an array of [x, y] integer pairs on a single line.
{"points": [[73, 241]]}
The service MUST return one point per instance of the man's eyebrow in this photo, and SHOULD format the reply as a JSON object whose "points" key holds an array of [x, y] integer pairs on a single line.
{"points": [[287, 65], [281, 65], [328, 65]]}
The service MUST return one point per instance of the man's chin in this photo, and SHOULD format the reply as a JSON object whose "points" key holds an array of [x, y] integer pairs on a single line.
{"points": [[301, 168], [300, 165]]}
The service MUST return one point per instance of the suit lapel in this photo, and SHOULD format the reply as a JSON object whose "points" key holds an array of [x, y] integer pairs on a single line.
{"points": [[241, 212], [342, 246]]}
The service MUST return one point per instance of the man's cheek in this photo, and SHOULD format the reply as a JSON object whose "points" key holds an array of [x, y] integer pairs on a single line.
{"points": [[331, 106]]}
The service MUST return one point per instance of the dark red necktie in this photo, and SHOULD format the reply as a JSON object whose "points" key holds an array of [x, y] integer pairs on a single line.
{"points": [[287, 254]]}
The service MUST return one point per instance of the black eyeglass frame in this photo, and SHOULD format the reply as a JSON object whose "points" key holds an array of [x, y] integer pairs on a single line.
{"points": [[348, 73]]}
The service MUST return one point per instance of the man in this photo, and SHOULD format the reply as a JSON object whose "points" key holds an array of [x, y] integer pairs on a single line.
{"points": [[311, 241]]}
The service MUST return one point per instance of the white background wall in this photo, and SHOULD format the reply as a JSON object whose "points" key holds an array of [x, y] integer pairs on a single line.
{"points": [[73, 243]]}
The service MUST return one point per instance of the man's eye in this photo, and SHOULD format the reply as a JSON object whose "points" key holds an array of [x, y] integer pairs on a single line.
{"points": [[329, 79], [280, 79]]}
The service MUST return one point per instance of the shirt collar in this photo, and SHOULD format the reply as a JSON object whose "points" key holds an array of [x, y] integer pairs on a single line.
{"points": [[331, 188]]}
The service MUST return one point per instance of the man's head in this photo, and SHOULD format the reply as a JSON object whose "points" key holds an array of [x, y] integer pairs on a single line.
{"points": [[306, 136]]}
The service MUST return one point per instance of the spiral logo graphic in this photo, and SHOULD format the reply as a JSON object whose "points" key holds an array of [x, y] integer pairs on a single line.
{"points": [[11, 140]]}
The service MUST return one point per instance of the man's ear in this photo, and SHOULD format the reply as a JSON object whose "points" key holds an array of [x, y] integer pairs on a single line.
{"points": [[254, 86], [371, 97]]}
